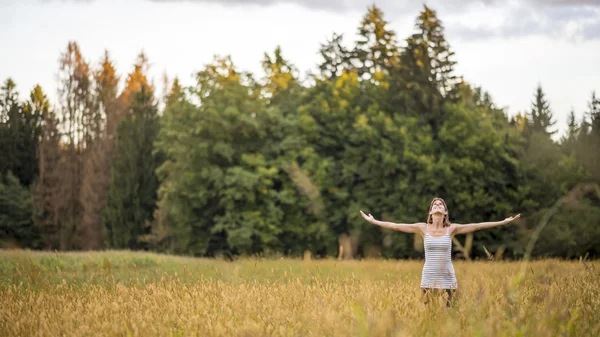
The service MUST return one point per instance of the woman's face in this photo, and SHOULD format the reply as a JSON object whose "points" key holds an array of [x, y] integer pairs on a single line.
{"points": [[438, 207]]}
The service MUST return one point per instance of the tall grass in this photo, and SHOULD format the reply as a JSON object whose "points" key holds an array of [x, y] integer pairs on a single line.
{"points": [[143, 294]]}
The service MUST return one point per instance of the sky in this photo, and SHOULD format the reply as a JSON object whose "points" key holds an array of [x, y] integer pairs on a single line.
{"points": [[507, 47]]}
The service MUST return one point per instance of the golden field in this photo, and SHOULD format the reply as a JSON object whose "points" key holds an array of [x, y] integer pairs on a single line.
{"points": [[142, 294]]}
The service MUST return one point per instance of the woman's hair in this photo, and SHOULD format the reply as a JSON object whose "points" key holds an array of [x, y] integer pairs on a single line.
{"points": [[446, 221]]}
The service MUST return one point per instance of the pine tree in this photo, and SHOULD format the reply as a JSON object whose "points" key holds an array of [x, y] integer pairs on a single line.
{"points": [[541, 156], [540, 117], [10, 111], [20, 133], [425, 78], [336, 57], [569, 140], [590, 138], [437, 56], [133, 187], [16, 212], [376, 50], [280, 86], [175, 94], [593, 114]]}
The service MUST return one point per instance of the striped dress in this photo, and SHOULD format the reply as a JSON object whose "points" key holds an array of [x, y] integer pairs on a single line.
{"points": [[438, 271]]}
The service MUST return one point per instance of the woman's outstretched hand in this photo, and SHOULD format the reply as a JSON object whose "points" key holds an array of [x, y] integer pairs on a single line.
{"points": [[512, 218], [369, 217]]}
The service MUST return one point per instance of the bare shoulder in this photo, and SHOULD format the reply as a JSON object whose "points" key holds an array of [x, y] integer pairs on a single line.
{"points": [[453, 227], [422, 226]]}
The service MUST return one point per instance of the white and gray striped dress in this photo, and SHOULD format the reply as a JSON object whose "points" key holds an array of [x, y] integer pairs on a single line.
{"points": [[438, 271]]}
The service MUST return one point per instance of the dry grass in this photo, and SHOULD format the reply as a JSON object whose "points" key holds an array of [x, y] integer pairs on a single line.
{"points": [[140, 294]]}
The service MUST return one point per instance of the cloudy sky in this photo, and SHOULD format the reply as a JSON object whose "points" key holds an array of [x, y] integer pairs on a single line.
{"points": [[505, 46]]}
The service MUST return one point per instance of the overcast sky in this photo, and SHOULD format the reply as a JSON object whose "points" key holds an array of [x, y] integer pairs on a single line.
{"points": [[505, 46]]}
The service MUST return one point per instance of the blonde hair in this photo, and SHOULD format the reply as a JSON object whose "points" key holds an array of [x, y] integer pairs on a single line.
{"points": [[446, 221]]}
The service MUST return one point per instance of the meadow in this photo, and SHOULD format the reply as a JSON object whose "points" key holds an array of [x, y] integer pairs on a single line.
{"points": [[122, 293]]}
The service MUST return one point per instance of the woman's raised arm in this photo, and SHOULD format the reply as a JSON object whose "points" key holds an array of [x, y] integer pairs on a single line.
{"points": [[469, 228], [405, 228]]}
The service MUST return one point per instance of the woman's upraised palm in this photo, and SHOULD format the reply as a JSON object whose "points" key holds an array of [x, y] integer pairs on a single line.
{"points": [[512, 218], [369, 217]]}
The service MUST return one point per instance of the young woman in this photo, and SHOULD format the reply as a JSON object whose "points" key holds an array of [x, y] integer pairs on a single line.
{"points": [[438, 272]]}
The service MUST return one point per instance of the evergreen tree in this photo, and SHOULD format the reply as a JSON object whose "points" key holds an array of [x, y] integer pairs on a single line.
{"points": [[437, 57], [16, 213], [425, 79], [281, 87], [376, 50], [569, 141], [10, 111], [590, 139], [540, 117], [133, 187], [175, 94], [593, 114], [20, 132], [335, 57]]}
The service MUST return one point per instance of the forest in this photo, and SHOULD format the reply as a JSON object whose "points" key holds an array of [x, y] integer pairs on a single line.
{"points": [[280, 164]]}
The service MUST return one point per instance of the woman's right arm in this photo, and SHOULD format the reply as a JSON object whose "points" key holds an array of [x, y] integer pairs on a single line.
{"points": [[405, 228]]}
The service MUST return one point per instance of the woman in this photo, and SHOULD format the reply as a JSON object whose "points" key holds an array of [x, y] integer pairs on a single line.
{"points": [[438, 271]]}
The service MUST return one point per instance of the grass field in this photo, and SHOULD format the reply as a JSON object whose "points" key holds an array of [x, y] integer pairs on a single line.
{"points": [[143, 294]]}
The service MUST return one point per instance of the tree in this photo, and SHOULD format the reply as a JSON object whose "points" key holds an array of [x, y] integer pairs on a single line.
{"points": [[569, 141], [20, 132], [363, 157], [175, 95], [437, 57], [10, 111], [33, 114], [106, 115], [590, 139], [335, 57], [224, 185], [593, 113], [16, 212], [376, 50], [478, 166], [570, 232], [540, 117], [106, 82], [133, 187], [47, 198], [281, 87], [135, 81], [76, 122], [425, 79]]}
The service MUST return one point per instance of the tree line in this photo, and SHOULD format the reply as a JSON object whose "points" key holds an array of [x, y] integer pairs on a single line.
{"points": [[240, 165]]}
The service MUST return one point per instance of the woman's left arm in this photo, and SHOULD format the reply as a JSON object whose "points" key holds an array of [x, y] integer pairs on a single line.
{"points": [[469, 228]]}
